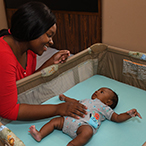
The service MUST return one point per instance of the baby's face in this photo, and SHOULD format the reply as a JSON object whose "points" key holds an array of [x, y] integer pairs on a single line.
{"points": [[103, 94]]}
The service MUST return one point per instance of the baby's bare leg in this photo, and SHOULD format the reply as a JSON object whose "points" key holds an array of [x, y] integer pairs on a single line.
{"points": [[56, 123], [84, 133], [35, 134]]}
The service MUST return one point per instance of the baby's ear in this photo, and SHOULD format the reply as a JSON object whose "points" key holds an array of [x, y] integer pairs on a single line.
{"points": [[109, 102]]}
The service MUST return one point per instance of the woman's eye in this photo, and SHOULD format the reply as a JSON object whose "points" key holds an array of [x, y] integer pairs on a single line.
{"points": [[101, 91], [49, 36]]}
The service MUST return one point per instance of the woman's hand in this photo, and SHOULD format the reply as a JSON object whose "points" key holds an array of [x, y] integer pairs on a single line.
{"points": [[73, 109], [61, 56]]}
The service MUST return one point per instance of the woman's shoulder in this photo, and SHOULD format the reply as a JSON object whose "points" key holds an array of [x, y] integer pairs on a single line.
{"points": [[6, 54], [4, 47]]}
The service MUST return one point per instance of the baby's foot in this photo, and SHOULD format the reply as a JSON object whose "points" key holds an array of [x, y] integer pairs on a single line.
{"points": [[35, 134], [62, 97]]}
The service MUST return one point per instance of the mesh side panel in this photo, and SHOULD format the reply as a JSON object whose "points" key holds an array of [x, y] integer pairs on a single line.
{"points": [[116, 63], [95, 66], [62, 83], [58, 85], [85, 70], [36, 96]]}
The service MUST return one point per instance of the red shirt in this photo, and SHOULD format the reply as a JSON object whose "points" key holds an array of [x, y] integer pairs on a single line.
{"points": [[11, 71]]}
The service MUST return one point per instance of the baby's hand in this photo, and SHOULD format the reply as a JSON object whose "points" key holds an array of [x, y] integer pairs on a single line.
{"points": [[133, 113], [62, 97]]}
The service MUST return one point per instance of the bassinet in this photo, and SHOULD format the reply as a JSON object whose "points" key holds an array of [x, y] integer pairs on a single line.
{"points": [[106, 62]]}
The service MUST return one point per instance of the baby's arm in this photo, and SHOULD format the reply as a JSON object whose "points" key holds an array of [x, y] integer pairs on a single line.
{"points": [[125, 116], [62, 97]]}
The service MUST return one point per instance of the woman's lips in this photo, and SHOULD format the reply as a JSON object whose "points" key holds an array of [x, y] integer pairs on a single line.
{"points": [[45, 47]]}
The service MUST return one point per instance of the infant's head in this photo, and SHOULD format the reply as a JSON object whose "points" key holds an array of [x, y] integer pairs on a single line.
{"points": [[107, 96]]}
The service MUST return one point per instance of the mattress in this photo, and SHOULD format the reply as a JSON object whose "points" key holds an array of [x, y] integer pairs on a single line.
{"points": [[129, 133]]}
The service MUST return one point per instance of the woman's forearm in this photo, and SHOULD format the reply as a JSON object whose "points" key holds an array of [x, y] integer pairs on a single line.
{"points": [[46, 64], [35, 112]]}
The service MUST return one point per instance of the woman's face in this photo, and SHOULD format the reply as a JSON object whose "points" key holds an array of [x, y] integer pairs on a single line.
{"points": [[39, 45]]}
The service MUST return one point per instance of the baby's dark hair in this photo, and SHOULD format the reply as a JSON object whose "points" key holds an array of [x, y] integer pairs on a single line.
{"points": [[114, 99]]}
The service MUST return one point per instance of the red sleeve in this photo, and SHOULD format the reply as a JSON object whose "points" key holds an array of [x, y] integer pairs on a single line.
{"points": [[8, 90]]}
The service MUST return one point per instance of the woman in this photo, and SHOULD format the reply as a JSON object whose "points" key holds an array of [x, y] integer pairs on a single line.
{"points": [[33, 26]]}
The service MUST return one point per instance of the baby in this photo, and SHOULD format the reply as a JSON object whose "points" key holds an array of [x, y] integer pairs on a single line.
{"points": [[100, 107]]}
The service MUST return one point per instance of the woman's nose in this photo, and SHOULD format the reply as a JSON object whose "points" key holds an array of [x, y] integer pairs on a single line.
{"points": [[51, 41]]}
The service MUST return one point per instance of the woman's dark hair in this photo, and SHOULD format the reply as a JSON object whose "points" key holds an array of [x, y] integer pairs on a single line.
{"points": [[31, 20], [4, 32]]}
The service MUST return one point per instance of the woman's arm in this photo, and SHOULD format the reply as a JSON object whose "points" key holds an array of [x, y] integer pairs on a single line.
{"points": [[35, 112], [59, 57], [125, 116]]}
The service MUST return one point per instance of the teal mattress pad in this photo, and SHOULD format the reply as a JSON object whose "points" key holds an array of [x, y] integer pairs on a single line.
{"points": [[129, 133]]}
